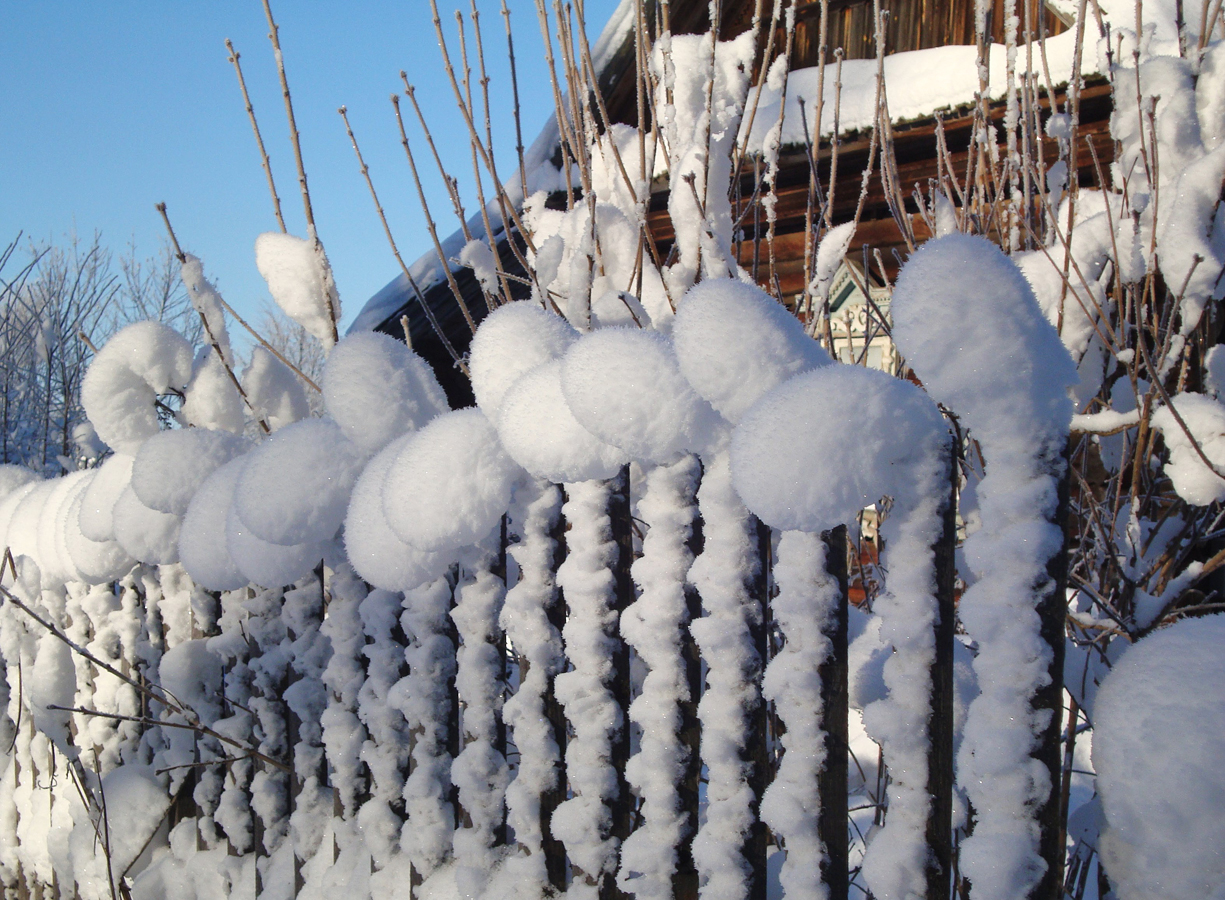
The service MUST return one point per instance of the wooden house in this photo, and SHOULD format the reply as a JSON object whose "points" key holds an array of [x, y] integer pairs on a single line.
{"points": [[922, 147]]}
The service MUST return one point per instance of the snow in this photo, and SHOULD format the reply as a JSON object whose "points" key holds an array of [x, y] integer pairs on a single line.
{"points": [[273, 390], [513, 340], [208, 304], [624, 385], [1157, 742], [203, 551], [293, 268], [376, 389], [296, 484], [13, 477], [801, 426], [264, 563], [136, 803], [172, 465], [540, 433], [97, 562], [52, 682], [1205, 419], [211, 400], [450, 484], [146, 534], [125, 378], [477, 255], [373, 549], [830, 253], [734, 342]]}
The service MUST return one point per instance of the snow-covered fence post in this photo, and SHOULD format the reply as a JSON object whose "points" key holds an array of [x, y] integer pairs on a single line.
{"points": [[757, 750], [832, 672], [971, 329], [794, 467], [622, 804], [556, 865]]}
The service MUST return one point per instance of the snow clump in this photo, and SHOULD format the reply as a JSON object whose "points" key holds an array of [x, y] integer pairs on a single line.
{"points": [[203, 549], [376, 389], [624, 385], [735, 342], [450, 484], [292, 267], [1158, 739], [172, 465], [513, 340], [1205, 419], [125, 378]]}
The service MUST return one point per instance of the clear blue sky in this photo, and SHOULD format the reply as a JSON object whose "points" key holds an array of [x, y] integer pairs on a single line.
{"points": [[110, 107]]}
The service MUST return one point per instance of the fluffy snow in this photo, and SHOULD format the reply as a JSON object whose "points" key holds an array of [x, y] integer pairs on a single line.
{"points": [[207, 303], [478, 256], [1205, 419], [624, 385], [203, 549], [99, 501], [513, 340], [13, 477], [376, 389], [97, 561], [734, 342], [264, 563], [375, 551], [801, 426], [294, 271], [540, 433], [172, 465], [211, 400], [296, 484], [125, 378], [1159, 729], [273, 390], [146, 534], [450, 484]]}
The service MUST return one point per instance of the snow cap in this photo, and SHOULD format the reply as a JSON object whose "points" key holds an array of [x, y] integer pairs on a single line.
{"points": [[273, 390], [294, 272], [512, 340], [969, 325], [99, 500], [624, 385], [541, 434], [450, 484], [376, 552], [146, 534], [203, 548], [266, 564], [821, 447], [1158, 730], [171, 465], [118, 392], [12, 477], [377, 389], [97, 561], [295, 487], [735, 342]]}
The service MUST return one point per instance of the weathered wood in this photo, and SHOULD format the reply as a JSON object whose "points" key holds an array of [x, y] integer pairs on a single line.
{"points": [[757, 753], [940, 725], [554, 850], [685, 879], [1048, 701], [832, 783], [622, 805]]}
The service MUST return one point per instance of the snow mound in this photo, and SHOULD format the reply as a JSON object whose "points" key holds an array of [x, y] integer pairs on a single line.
{"points": [[97, 561], [23, 527], [203, 548], [377, 389], [541, 434], [99, 500], [1158, 747], [1205, 418], [804, 426], [450, 484], [266, 564], [295, 487], [624, 385], [378, 555], [512, 340], [53, 558], [189, 673], [172, 465], [119, 390], [970, 326], [292, 269], [211, 400], [8, 511], [273, 390], [52, 683], [146, 534], [735, 342]]}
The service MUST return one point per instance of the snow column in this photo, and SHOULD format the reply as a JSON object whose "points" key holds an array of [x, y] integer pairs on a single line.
{"points": [[807, 610], [962, 307], [479, 771], [652, 626], [525, 617], [424, 697], [721, 573], [589, 579]]}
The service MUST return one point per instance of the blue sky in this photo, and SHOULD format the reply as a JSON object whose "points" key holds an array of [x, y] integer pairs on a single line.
{"points": [[109, 107]]}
